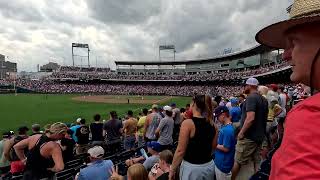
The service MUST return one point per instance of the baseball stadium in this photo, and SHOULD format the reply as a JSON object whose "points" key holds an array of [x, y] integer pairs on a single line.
{"points": [[161, 101]]}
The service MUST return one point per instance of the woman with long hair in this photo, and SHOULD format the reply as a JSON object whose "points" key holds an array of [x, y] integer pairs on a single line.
{"points": [[197, 142]]}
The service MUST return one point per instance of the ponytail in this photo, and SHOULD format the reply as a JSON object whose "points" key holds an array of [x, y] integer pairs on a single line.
{"points": [[209, 109]]}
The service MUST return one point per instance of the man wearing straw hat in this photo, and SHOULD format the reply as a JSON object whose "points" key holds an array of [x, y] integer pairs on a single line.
{"points": [[299, 154]]}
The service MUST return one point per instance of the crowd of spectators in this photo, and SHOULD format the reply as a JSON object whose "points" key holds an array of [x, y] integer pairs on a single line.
{"points": [[161, 131], [103, 73]]}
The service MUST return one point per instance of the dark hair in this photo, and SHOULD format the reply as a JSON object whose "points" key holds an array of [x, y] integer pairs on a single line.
{"points": [[69, 131], [182, 110], [130, 113], [113, 114], [145, 111], [36, 127], [204, 103], [281, 88], [23, 130], [166, 156], [97, 117], [82, 121], [187, 105], [169, 113]]}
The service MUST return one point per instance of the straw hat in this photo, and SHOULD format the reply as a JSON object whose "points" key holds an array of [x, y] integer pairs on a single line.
{"points": [[302, 12]]}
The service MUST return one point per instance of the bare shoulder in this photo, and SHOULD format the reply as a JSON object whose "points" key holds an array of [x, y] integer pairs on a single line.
{"points": [[188, 123]]}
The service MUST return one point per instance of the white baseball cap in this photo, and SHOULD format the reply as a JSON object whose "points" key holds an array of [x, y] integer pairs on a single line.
{"points": [[167, 108], [78, 120], [96, 152], [252, 81]]}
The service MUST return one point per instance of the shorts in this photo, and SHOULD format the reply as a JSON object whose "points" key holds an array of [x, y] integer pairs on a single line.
{"points": [[129, 142], [196, 171], [221, 175], [17, 167], [82, 148], [246, 151]]}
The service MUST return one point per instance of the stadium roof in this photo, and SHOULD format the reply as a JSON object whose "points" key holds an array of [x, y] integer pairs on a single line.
{"points": [[235, 55]]}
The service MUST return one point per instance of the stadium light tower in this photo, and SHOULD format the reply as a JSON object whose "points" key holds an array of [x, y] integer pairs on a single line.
{"points": [[78, 45], [165, 48]]}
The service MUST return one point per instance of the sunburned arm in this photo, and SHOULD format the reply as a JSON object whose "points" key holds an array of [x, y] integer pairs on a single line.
{"points": [[184, 136], [20, 147], [6, 149], [215, 140], [57, 158]]}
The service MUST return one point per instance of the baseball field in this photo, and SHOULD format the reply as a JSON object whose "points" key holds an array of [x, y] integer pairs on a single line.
{"points": [[27, 109]]}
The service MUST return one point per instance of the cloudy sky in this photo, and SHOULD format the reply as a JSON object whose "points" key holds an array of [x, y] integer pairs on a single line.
{"points": [[35, 32]]}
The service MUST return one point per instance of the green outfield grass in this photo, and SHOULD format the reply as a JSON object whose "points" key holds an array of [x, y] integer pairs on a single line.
{"points": [[27, 109]]}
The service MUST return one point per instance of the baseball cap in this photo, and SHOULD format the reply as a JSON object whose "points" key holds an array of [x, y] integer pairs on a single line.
{"points": [[173, 104], [154, 145], [234, 101], [219, 110], [167, 108], [252, 81], [96, 152], [155, 106], [78, 120]]}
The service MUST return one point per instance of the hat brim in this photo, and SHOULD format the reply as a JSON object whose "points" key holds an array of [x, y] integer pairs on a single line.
{"points": [[273, 35]]}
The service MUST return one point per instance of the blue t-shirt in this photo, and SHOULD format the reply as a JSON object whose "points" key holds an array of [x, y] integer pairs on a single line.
{"points": [[235, 113], [98, 170], [224, 160], [74, 130]]}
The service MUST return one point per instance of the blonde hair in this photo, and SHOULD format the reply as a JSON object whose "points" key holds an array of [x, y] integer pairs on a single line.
{"points": [[263, 90], [137, 172], [58, 128]]}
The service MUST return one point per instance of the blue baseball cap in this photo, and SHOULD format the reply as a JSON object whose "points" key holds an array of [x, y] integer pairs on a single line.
{"points": [[234, 101], [173, 104], [219, 110], [154, 145]]}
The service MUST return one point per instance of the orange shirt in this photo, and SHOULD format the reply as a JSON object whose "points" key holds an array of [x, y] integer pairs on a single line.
{"points": [[299, 154], [130, 126]]}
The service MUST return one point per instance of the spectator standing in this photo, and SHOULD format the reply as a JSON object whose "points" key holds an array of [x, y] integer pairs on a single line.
{"points": [[176, 118], [253, 128], [151, 124], [224, 154], [140, 127], [148, 162], [274, 110], [113, 131], [282, 102], [74, 129], [35, 129], [130, 129], [298, 155], [4, 163], [235, 112], [197, 142], [96, 129], [98, 169], [165, 129], [82, 135], [16, 166], [242, 98], [44, 155]]}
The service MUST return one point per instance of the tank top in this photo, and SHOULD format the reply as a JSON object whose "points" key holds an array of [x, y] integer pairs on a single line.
{"points": [[199, 149], [36, 166], [155, 120]]}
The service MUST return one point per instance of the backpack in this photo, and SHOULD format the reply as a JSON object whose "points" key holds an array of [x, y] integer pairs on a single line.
{"points": [[12, 153]]}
